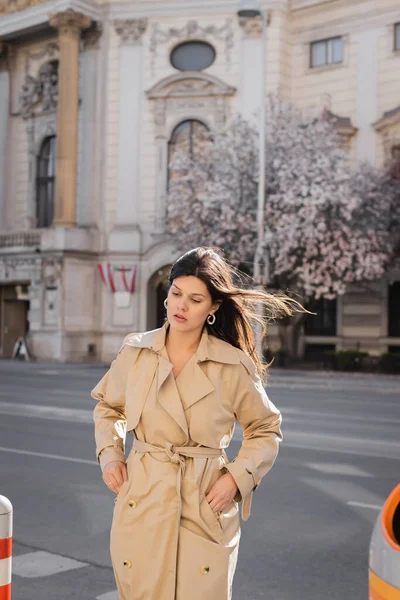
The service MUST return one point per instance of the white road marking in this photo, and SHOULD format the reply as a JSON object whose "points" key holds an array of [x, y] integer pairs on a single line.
{"points": [[73, 415], [43, 564], [309, 385], [364, 505], [78, 393], [108, 596], [338, 469], [49, 372], [44, 455]]}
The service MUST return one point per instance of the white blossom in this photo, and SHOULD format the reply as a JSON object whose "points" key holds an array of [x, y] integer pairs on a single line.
{"points": [[326, 224]]}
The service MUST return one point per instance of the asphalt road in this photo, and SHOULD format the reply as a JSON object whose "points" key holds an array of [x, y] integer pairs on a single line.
{"points": [[309, 532]]}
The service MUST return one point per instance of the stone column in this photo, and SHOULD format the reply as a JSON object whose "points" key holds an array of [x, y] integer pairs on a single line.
{"points": [[367, 44], [70, 24], [125, 236], [251, 60], [4, 124], [89, 142]]}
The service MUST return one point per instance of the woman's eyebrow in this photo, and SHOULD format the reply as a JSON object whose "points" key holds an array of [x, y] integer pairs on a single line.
{"points": [[194, 293]]}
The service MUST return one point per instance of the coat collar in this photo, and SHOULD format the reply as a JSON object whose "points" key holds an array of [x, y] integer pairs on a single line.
{"points": [[210, 347]]}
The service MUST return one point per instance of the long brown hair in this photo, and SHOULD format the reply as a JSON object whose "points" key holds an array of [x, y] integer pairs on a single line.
{"points": [[239, 306]]}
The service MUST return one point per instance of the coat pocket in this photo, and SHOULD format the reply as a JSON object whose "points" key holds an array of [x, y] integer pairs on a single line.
{"points": [[204, 569]]}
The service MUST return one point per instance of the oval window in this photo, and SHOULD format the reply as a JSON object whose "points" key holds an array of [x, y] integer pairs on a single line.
{"points": [[192, 56]]}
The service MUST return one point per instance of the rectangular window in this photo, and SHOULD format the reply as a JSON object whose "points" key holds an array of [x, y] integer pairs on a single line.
{"points": [[393, 309], [324, 322], [397, 36], [327, 52]]}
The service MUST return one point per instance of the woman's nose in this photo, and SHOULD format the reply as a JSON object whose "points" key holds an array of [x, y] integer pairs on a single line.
{"points": [[182, 305]]}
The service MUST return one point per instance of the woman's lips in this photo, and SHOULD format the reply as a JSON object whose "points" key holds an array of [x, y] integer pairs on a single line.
{"points": [[179, 319]]}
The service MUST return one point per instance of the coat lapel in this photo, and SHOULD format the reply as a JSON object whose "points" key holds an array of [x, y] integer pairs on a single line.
{"points": [[193, 384], [168, 395], [139, 381], [193, 381]]}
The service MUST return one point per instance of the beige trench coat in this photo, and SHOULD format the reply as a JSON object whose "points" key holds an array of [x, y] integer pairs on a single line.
{"points": [[166, 543]]}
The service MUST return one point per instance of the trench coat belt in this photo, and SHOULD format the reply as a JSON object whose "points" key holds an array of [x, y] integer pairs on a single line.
{"points": [[177, 455]]}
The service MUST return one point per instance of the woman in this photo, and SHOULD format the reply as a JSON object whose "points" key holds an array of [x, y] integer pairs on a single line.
{"points": [[180, 389]]}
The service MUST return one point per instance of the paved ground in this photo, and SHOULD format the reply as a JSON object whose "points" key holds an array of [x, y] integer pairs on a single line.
{"points": [[309, 532]]}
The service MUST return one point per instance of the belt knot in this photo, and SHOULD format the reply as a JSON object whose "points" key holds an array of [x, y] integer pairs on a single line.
{"points": [[173, 455]]}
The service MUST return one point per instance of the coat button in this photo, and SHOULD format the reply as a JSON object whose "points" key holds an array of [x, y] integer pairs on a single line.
{"points": [[127, 564], [132, 503], [204, 569]]}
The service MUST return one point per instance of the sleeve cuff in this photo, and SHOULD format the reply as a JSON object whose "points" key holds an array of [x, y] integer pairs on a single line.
{"points": [[244, 479], [109, 455]]}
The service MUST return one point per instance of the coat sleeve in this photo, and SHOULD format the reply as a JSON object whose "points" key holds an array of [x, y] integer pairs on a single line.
{"points": [[109, 414], [261, 421]]}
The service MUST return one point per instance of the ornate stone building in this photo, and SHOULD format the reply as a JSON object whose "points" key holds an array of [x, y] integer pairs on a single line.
{"points": [[93, 97]]}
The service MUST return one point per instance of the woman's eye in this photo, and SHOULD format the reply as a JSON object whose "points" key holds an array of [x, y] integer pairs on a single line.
{"points": [[197, 301], [175, 294]]}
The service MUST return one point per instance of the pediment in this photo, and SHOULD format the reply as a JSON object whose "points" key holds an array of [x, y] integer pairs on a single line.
{"points": [[190, 84], [389, 118]]}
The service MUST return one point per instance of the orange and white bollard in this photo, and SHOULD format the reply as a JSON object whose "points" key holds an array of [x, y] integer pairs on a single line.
{"points": [[6, 516], [384, 554]]}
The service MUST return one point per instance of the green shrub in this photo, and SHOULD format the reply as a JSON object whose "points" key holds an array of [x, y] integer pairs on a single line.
{"points": [[350, 360], [389, 362]]}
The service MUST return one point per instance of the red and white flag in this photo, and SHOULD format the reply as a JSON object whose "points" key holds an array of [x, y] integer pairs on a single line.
{"points": [[112, 277], [107, 276]]}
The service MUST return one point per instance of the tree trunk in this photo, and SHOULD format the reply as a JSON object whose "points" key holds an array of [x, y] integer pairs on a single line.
{"points": [[289, 330]]}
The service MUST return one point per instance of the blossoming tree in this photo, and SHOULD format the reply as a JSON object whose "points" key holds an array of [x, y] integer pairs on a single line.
{"points": [[326, 224]]}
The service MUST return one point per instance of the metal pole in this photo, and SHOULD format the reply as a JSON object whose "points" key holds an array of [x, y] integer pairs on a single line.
{"points": [[261, 182]]}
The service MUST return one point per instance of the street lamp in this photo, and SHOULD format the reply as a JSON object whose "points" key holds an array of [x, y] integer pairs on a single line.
{"points": [[251, 9]]}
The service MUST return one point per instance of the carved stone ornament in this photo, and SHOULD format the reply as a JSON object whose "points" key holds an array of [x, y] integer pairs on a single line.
{"points": [[40, 94], [91, 37], [46, 53], [11, 6], [70, 22], [51, 270], [190, 84], [192, 30], [252, 27], [130, 31], [189, 91]]}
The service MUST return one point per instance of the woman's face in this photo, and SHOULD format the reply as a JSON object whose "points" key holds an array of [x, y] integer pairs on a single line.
{"points": [[189, 303]]}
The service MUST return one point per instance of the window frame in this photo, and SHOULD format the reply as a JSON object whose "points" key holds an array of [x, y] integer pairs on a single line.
{"points": [[327, 318], [393, 325], [44, 210], [396, 37], [188, 43], [191, 123], [328, 43]]}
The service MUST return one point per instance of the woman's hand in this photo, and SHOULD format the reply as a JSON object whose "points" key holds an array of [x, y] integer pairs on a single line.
{"points": [[115, 474], [222, 492]]}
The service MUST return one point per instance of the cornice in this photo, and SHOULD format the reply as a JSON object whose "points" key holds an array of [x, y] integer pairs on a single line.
{"points": [[348, 24], [154, 9], [36, 16]]}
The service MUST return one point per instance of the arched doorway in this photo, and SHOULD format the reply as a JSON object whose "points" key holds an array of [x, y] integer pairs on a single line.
{"points": [[157, 290]]}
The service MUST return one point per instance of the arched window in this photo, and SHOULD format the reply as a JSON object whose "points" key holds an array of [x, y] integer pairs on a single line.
{"points": [[188, 137], [45, 181]]}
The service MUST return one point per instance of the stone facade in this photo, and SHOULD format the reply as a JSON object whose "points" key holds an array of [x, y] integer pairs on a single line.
{"points": [[126, 102]]}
